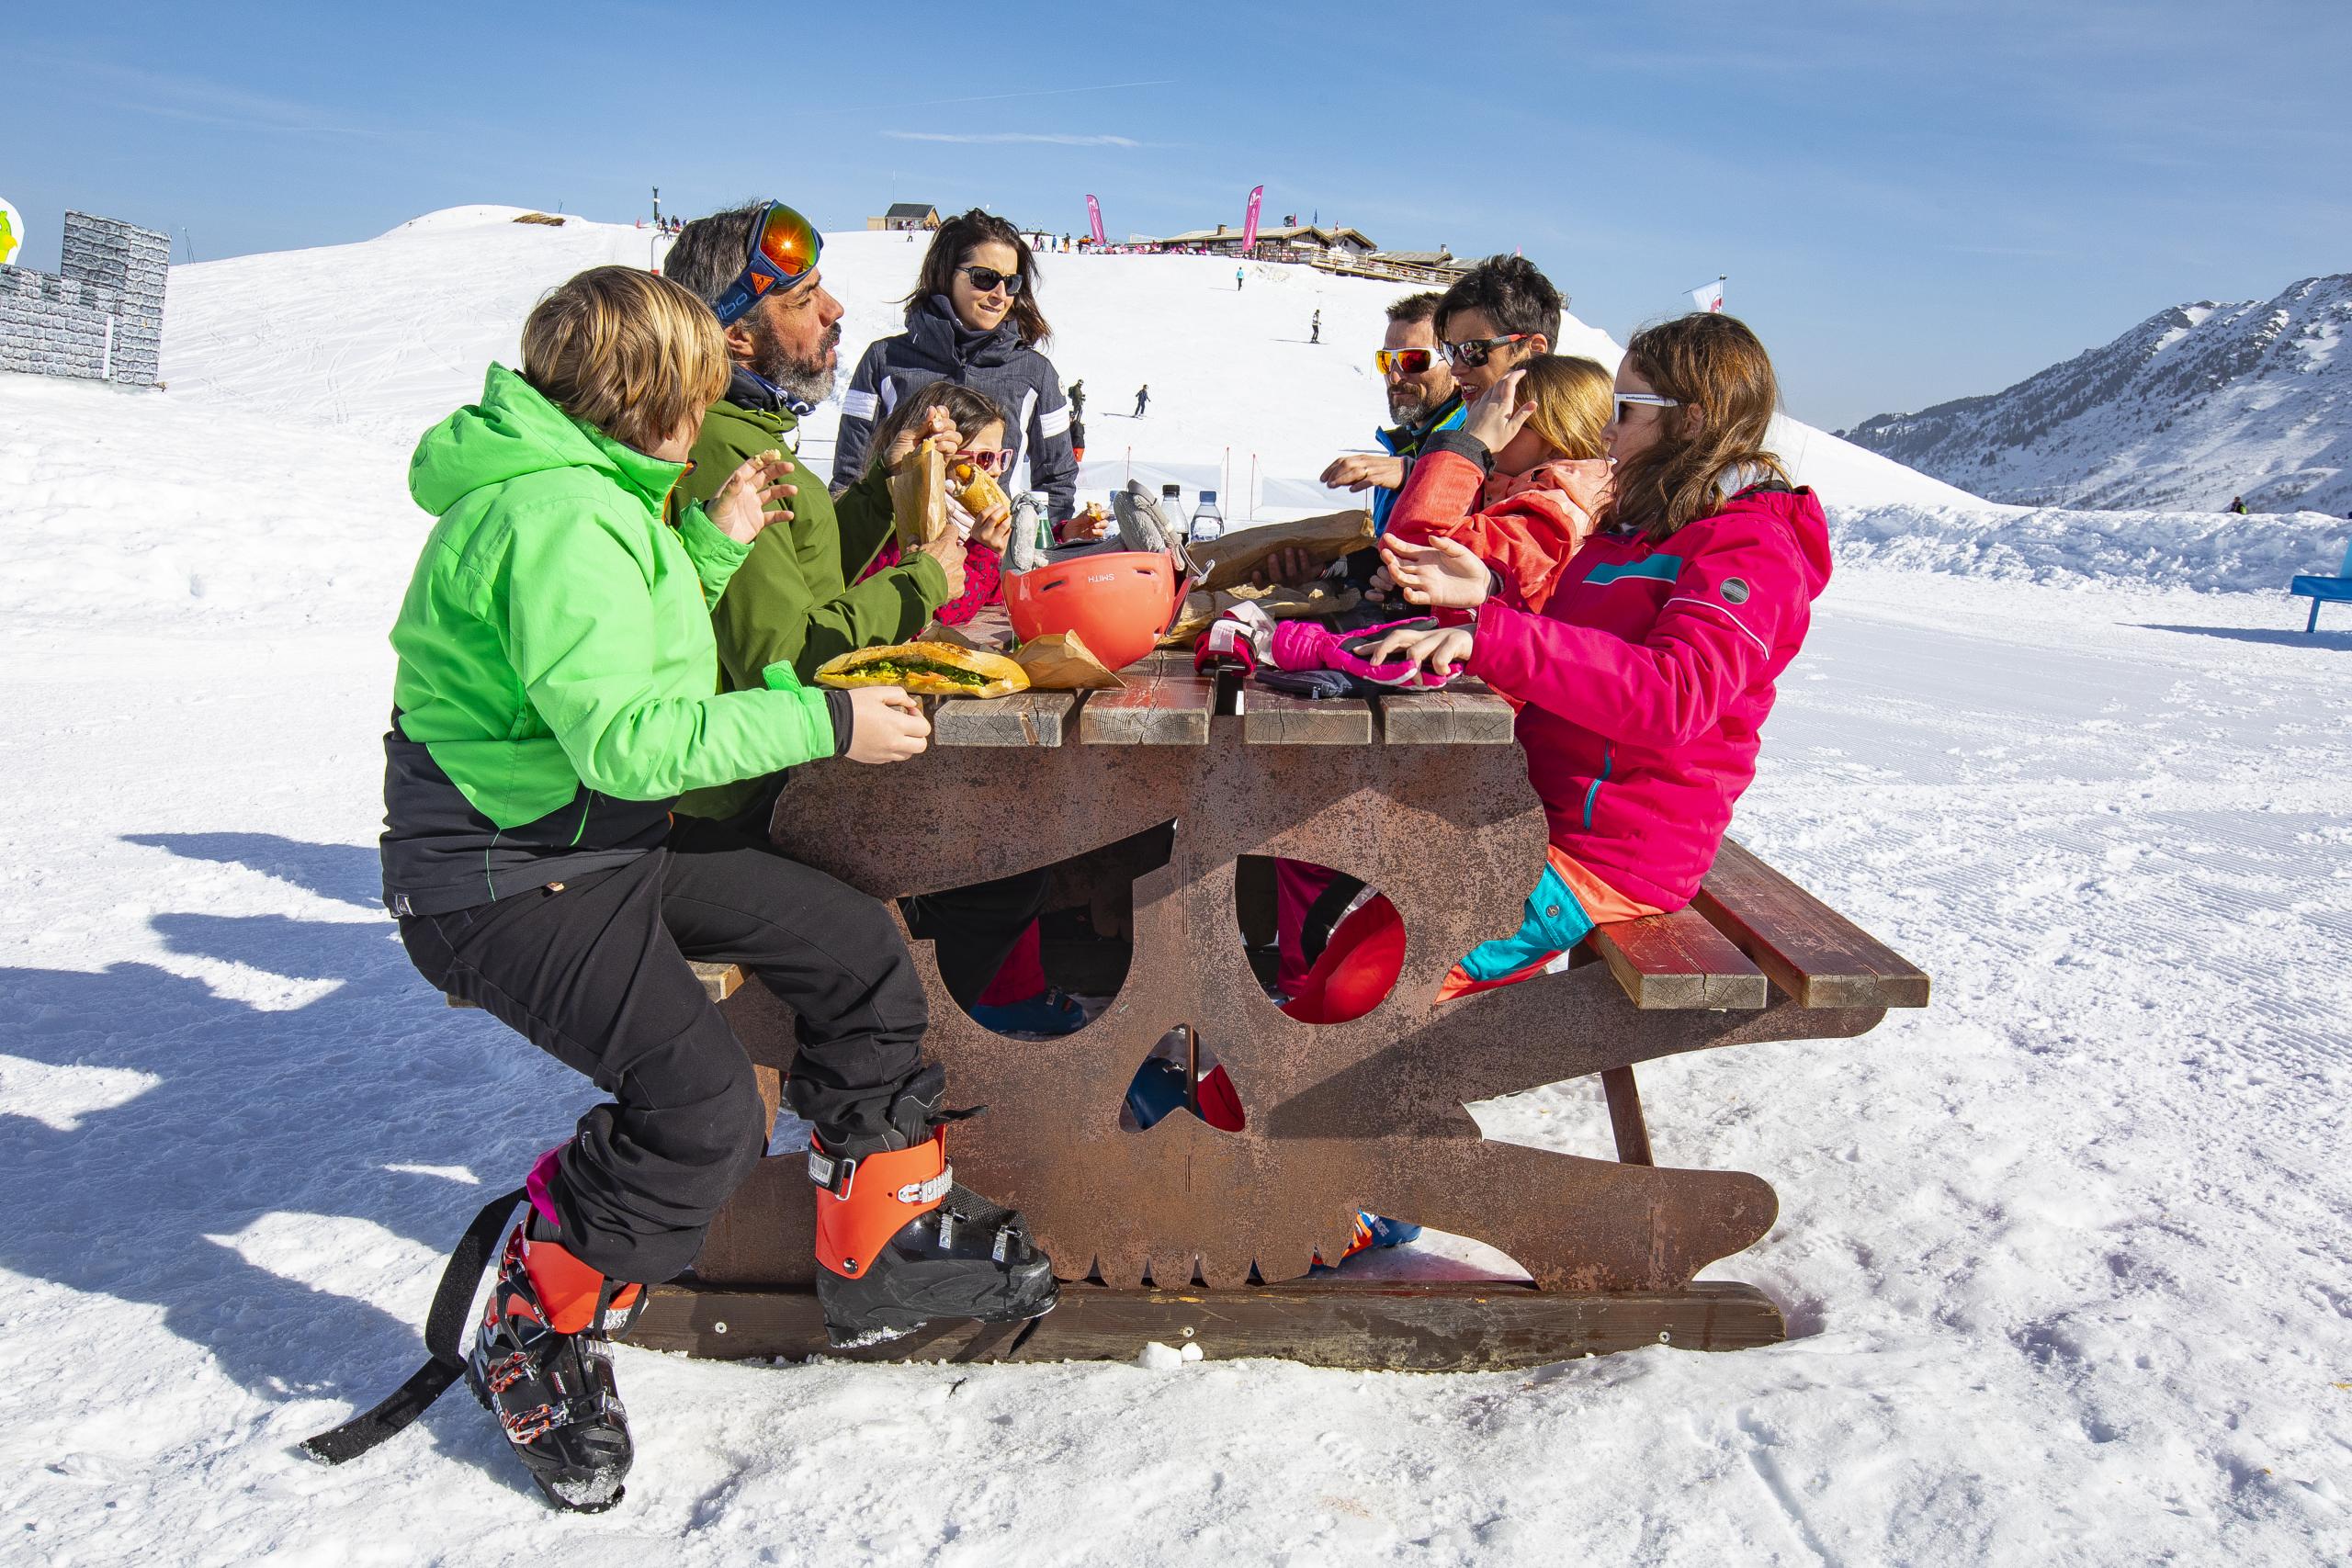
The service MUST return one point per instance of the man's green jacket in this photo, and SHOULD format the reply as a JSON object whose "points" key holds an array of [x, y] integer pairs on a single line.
{"points": [[795, 602]]}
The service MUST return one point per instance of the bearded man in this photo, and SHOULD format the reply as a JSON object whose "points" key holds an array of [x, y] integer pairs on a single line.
{"points": [[1422, 399], [797, 600]]}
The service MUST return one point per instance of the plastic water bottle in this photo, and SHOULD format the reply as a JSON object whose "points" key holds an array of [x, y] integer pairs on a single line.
{"points": [[1172, 503], [1208, 523]]}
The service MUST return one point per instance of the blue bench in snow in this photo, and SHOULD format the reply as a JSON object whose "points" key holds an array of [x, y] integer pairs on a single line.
{"points": [[2337, 590]]}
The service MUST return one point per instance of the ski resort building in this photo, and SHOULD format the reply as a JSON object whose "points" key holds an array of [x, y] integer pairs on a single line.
{"points": [[100, 316], [1299, 243], [906, 215]]}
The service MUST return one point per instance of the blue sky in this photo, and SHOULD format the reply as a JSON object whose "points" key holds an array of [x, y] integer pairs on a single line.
{"points": [[1913, 200]]}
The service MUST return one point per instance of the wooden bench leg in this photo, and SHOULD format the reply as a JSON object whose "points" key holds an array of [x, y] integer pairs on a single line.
{"points": [[1625, 1116]]}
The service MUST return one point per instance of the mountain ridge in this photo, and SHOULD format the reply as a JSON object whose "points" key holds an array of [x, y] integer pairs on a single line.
{"points": [[2199, 404]]}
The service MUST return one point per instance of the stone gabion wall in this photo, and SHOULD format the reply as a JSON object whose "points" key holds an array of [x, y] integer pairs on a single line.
{"points": [[112, 275], [53, 326]]}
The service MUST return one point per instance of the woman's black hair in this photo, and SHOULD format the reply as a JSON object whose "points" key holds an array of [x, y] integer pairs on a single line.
{"points": [[951, 247]]}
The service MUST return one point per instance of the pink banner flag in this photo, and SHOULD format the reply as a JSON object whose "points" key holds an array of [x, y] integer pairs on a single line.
{"points": [[1094, 219], [1249, 221]]}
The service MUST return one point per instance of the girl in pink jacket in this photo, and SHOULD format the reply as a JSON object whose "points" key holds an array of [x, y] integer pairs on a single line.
{"points": [[1646, 677]]}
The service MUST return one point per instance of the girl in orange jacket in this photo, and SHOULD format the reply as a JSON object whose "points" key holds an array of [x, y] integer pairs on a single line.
{"points": [[1523, 481]]}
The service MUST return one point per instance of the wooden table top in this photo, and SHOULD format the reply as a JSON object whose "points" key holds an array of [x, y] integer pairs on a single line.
{"points": [[1165, 703]]}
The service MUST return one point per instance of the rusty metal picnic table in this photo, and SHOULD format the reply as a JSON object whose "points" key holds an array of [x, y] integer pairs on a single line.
{"points": [[1184, 1231]]}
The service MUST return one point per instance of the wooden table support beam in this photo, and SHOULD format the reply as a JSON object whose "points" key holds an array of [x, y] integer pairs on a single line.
{"points": [[1391, 1326], [1625, 1116]]}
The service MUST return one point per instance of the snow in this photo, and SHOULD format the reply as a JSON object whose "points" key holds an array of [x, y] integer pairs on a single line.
{"points": [[384, 337], [2062, 1255]]}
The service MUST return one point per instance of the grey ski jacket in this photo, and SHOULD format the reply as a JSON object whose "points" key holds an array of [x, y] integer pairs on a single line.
{"points": [[935, 346]]}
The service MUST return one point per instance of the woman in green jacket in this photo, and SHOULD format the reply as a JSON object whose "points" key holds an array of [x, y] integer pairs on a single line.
{"points": [[554, 695]]}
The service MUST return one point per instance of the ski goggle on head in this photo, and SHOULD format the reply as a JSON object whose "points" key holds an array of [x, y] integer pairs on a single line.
{"points": [[784, 251], [1404, 361]]}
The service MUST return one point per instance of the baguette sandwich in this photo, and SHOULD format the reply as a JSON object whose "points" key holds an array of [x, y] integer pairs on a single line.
{"points": [[928, 670]]}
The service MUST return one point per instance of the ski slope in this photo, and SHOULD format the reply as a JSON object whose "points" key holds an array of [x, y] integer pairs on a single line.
{"points": [[383, 337], [2063, 1256]]}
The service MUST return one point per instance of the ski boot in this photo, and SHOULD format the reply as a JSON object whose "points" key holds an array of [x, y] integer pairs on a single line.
{"points": [[540, 1365], [899, 1243]]}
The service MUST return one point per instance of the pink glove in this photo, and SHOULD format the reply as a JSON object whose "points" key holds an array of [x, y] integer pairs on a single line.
{"points": [[1310, 645]]}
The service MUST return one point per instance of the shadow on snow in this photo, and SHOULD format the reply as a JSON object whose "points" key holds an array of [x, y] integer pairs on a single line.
{"points": [[255, 1112], [2338, 642]]}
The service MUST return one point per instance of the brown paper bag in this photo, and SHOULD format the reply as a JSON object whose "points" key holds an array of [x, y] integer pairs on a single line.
{"points": [[1223, 562], [1315, 600], [918, 498], [1060, 662]]}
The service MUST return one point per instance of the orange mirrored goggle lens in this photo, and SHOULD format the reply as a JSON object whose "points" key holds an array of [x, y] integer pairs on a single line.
{"points": [[788, 242]]}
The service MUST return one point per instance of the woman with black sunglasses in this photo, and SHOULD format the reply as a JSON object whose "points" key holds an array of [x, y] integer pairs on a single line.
{"points": [[973, 320]]}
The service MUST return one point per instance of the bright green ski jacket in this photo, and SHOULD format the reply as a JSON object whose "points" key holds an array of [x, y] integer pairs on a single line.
{"points": [[556, 636]]}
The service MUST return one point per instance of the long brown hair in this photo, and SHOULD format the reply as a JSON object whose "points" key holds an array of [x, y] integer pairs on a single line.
{"points": [[1572, 403], [952, 246], [1714, 365]]}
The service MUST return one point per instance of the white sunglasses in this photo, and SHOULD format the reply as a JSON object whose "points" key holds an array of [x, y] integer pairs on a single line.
{"points": [[1645, 400]]}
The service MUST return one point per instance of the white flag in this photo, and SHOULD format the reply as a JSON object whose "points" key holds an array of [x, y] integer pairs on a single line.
{"points": [[1709, 297]]}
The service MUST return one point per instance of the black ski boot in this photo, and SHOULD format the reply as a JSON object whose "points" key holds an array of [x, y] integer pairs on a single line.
{"points": [[540, 1364], [899, 1243]]}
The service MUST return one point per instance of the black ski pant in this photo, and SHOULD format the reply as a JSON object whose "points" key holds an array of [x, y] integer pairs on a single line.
{"points": [[595, 972], [972, 930]]}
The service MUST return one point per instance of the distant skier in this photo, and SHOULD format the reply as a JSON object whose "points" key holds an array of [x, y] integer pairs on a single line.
{"points": [[1314, 329], [1237, 280], [2237, 504], [1143, 396]]}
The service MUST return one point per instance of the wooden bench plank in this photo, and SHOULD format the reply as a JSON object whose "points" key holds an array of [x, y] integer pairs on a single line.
{"points": [[1464, 713], [1397, 1324], [1278, 718], [1024, 718], [1679, 960], [1812, 952], [1163, 704], [719, 980]]}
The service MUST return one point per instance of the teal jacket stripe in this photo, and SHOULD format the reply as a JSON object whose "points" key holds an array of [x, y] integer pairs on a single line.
{"points": [[1663, 569]]}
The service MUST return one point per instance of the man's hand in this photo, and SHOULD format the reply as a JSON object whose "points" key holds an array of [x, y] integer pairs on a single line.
{"points": [[1436, 650], [948, 551], [740, 510], [1442, 574], [1360, 470], [934, 427], [886, 725], [1497, 413], [1085, 527], [1293, 568]]}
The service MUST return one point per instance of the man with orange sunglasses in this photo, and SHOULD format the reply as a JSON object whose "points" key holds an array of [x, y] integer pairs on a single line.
{"points": [[1422, 399]]}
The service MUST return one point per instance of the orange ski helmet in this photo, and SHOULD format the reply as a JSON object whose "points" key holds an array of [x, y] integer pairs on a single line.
{"points": [[1119, 602]]}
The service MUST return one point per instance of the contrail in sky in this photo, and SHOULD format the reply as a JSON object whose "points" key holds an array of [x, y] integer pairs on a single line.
{"points": [[1041, 93]]}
